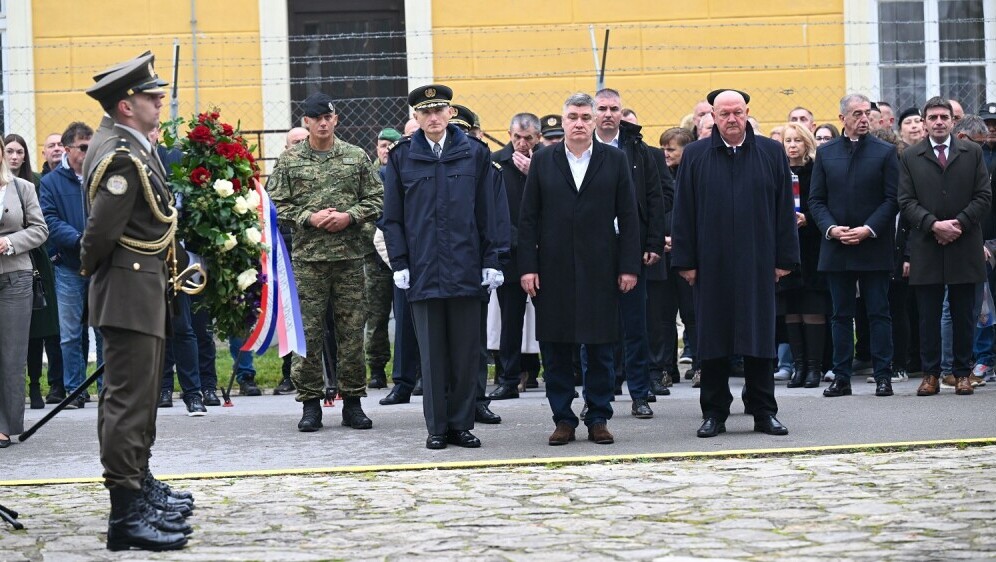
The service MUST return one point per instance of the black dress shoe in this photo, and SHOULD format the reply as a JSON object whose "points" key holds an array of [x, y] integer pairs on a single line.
{"points": [[398, 395], [651, 397], [435, 442], [504, 392], [711, 427], [839, 387], [483, 414], [770, 425], [883, 388], [417, 391], [4, 443], [462, 438], [211, 397], [641, 410], [165, 399], [285, 387]]}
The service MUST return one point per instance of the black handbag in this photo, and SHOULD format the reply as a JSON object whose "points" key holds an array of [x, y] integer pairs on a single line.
{"points": [[38, 300]]}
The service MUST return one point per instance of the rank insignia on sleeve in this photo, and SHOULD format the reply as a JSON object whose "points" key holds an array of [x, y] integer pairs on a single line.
{"points": [[496, 165], [117, 185]]}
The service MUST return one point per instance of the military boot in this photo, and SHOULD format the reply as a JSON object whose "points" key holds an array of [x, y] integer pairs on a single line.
{"points": [[378, 378], [158, 499], [311, 419], [128, 528], [165, 522], [352, 414], [150, 480]]}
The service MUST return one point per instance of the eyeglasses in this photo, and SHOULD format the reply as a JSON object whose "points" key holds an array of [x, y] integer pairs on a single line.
{"points": [[80, 147], [821, 138]]}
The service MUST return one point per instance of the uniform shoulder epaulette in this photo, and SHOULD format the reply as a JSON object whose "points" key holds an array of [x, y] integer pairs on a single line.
{"points": [[496, 165], [122, 146], [402, 140]]}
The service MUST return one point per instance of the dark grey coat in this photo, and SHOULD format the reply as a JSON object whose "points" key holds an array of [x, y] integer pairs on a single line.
{"points": [[928, 193]]}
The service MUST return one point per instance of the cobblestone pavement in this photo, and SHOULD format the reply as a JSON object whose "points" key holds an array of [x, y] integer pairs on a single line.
{"points": [[924, 504]]}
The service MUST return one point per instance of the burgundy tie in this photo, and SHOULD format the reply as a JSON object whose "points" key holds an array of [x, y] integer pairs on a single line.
{"points": [[940, 155]]}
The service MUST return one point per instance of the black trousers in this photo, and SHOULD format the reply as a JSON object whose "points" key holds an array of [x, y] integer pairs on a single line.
{"points": [[961, 301], [449, 341], [898, 295], [512, 301], [715, 397]]}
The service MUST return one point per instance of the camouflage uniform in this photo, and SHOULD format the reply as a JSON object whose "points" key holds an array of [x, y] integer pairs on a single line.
{"points": [[380, 293], [329, 266]]}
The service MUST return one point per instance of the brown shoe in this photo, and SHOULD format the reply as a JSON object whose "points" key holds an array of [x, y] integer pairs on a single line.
{"points": [[599, 433], [928, 386], [948, 380], [976, 381], [964, 386], [563, 435]]}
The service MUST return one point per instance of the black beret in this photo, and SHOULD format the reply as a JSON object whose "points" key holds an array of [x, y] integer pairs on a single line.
{"points": [[988, 111], [463, 117], [317, 104], [433, 95], [909, 112], [127, 78], [551, 126], [711, 96]]}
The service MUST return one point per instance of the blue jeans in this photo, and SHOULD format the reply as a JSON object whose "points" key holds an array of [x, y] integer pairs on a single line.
{"points": [[181, 350], [636, 350], [71, 293], [558, 372], [875, 290], [206, 353], [785, 358], [244, 367]]}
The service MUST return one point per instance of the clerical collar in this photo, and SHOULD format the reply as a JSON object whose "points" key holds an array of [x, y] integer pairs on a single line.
{"points": [[614, 141]]}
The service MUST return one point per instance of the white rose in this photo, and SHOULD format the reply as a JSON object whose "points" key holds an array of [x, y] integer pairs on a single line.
{"points": [[247, 278], [252, 199], [229, 243], [224, 188], [241, 206], [253, 235]]}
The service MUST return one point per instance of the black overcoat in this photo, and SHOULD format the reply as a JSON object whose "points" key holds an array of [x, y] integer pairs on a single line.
{"points": [[928, 193], [855, 185], [567, 236], [806, 276], [734, 222]]}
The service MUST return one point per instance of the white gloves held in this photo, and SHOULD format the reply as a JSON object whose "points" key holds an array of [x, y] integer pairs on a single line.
{"points": [[401, 279], [492, 278]]}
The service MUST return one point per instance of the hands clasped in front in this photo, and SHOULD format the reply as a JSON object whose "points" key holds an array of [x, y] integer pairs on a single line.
{"points": [[330, 219], [946, 232], [850, 236]]}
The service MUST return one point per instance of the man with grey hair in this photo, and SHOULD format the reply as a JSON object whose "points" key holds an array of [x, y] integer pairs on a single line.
{"points": [[574, 265], [514, 159], [733, 212], [852, 197]]}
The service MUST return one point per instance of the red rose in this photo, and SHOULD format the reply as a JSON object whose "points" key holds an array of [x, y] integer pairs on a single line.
{"points": [[201, 134], [215, 115], [227, 130], [200, 175], [237, 185], [229, 150], [202, 117]]}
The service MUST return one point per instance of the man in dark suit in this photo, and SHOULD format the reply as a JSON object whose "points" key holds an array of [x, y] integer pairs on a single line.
{"points": [[852, 197], [128, 248], [573, 264], [514, 159], [651, 208], [944, 194], [733, 236]]}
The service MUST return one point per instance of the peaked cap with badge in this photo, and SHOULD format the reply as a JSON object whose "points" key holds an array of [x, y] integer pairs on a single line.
{"points": [[433, 95], [551, 126], [464, 118], [119, 81]]}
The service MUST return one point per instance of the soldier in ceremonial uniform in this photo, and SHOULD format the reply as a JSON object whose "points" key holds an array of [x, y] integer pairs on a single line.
{"points": [[551, 129], [331, 192], [128, 249]]}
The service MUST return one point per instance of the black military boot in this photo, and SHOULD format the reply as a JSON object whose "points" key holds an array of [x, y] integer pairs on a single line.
{"points": [[311, 420], [285, 387], [165, 522], [352, 414], [657, 386], [378, 378], [151, 481], [815, 337], [128, 528], [796, 341], [158, 499]]}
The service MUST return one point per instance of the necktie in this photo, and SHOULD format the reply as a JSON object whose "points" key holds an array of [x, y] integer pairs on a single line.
{"points": [[940, 155], [436, 149]]}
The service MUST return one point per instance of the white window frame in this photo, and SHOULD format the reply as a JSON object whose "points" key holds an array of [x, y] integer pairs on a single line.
{"points": [[862, 64]]}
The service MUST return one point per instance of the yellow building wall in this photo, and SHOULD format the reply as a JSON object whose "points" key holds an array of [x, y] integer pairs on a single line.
{"points": [[73, 41], [524, 55]]}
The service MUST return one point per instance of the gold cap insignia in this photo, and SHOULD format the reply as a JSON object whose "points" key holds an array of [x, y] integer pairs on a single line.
{"points": [[551, 121], [430, 92]]}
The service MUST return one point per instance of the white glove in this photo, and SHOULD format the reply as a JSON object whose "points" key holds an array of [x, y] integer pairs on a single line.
{"points": [[401, 279], [492, 278]]}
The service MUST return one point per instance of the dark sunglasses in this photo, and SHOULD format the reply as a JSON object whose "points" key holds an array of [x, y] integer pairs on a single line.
{"points": [[80, 147]]}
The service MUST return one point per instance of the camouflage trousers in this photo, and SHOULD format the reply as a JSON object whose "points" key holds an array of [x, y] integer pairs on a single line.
{"points": [[379, 292], [342, 284]]}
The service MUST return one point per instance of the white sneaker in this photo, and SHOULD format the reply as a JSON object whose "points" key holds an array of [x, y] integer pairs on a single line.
{"points": [[899, 375], [828, 376], [872, 380], [783, 374]]}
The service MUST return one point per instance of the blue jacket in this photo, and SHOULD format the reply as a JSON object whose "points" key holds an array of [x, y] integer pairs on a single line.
{"points": [[62, 204], [856, 186], [440, 215]]}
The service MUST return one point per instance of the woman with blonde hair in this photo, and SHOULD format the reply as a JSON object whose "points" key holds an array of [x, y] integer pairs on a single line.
{"points": [[803, 296], [22, 228]]}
